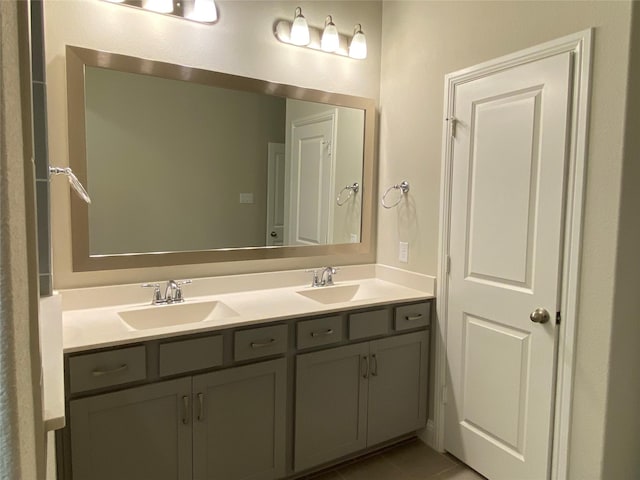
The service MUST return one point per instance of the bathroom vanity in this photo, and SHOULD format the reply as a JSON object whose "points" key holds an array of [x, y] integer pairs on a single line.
{"points": [[247, 396]]}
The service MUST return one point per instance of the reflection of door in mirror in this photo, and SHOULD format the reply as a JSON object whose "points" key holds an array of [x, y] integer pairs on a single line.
{"points": [[311, 179], [275, 194]]}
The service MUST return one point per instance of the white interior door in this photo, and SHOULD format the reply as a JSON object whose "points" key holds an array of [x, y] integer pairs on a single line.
{"points": [[310, 190], [275, 194], [508, 180]]}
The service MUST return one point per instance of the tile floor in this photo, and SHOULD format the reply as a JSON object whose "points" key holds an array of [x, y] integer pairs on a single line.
{"points": [[409, 461]]}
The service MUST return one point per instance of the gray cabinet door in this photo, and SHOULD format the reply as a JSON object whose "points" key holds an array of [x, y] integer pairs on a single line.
{"points": [[397, 386], [134, 434], [239, 422], [331, 404]]}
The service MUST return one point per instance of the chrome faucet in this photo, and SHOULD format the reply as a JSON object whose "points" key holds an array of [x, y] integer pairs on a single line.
{"points": [[172, 293], [324, 278]]}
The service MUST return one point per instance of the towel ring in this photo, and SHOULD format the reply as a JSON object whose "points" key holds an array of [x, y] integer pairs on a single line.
{"points": [[73, 181], [403, 187], [351, 189]]}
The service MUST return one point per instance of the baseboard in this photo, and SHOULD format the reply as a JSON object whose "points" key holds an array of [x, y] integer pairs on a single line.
{"points": [[428, 435]]}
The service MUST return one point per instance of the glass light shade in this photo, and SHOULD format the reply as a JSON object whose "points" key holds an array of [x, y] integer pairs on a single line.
{"points": [[160, 6], [299, 29], [358, 46], [203, 11], [330, 39]]}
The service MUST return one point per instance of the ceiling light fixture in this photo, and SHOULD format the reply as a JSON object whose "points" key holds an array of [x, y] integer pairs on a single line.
{"points": [[203, 11], [160, 6]]}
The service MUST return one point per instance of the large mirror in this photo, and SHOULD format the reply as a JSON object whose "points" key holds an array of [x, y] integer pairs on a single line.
{"points": [[185, 165]]}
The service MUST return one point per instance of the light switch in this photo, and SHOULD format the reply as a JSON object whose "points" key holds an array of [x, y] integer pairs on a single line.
{"points": [[354, 238], [246, 198]]}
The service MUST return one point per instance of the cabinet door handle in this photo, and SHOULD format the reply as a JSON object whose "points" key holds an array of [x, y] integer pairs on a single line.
{"points": [[364, 366], [328, 331], [99, 373], [200, 407], [413, 318], [374, 365], [185, 410], [263, 344]]}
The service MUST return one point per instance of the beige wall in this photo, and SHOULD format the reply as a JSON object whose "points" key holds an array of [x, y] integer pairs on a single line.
{"points": [[242, 43], [622, 431], [168, 160], [422, 41], [349, 145]]}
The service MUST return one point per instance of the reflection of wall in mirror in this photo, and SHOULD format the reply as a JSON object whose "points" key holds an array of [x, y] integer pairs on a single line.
{"points": [[349, 141], [161, 182]]}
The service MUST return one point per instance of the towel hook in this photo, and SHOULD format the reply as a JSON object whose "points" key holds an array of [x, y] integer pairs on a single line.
{"points": [[352, 189], [403, 187]]}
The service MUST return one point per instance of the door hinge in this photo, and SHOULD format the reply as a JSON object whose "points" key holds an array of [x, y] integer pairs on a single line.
{"points": [[444, 394], [448, 266], [558, 318], [453, 121]]}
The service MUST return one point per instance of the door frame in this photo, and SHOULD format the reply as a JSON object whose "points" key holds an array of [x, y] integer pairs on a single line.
{"points": [[580, 46]]}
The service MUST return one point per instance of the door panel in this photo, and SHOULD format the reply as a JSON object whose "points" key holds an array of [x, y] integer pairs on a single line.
{"points": [[397, 386], [239, 422], [275, 194], [142, 432], [331, 404], [310, 181], [507, 194]]}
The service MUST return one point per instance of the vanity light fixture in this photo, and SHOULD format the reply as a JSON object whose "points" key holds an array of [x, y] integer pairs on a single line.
{"points": [[358, 46], [330, 41], [201, 11], [326, 39], [299, 29]]}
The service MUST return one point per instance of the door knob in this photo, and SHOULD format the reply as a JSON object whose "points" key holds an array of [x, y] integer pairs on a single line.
{"points": [[539, 315], [273, 234]]}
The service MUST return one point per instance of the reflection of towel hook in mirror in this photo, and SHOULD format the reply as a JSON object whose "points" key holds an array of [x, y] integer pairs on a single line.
{"points": [[351, 189], [73, 180], [403, 187]]}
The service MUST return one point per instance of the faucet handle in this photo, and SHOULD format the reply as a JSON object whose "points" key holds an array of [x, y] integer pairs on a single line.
{"points": [[178, 297], [183, 282], [315, 282], [157, 296]]}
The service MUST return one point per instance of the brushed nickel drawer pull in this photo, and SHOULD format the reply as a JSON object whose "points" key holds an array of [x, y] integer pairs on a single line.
{"points": [[328, 331], [263, 344], [185, 410], [364, 366], [99, 373], [413, 318], [374, 365], [200, 407]]}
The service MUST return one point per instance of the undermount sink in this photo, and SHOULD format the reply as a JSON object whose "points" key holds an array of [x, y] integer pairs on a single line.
{"points": [[158, 316], [336, 293]]}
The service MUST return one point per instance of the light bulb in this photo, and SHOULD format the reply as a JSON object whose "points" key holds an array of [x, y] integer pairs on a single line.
{"points": [[299, 29], [358, 47], [330, 39], [203, 11], [160, 6]]}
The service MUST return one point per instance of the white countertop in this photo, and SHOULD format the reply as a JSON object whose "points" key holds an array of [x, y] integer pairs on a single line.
{"points": [[102, 326], [50, 320]]}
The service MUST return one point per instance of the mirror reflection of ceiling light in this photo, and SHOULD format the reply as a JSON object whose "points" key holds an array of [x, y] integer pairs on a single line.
{"points": [[358, 46], [327, 39], [299, 29], [201, 11], [330, 41]]}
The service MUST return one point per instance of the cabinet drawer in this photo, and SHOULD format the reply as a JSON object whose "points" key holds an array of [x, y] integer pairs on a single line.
{"points": [[319, 331], [368, 324], [190, 355], [412, 316], [105, 369], [260, 342]]}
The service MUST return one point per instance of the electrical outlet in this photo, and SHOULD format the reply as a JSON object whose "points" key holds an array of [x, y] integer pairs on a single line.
{"points": [[403, 252], [354, 238]]}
